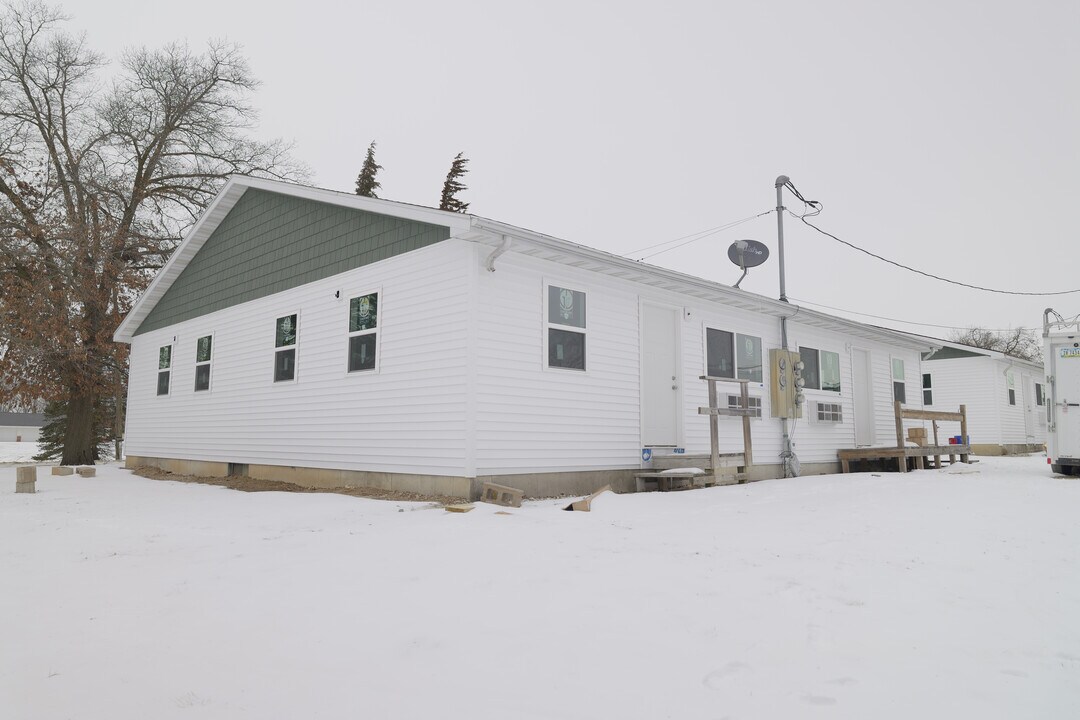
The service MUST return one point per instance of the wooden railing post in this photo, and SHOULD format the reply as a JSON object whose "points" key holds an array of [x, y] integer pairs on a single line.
{"points": [[963, 432], [748, 448], [899, 424], [714, 433]]}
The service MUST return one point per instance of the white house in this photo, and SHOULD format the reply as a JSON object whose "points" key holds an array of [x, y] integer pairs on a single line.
{"points": [[317, 336], [19, 426], [1005, 396]]}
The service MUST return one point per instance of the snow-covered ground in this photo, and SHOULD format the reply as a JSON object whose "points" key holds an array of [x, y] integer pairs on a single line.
{"points": [[17, 452], [935, 594]]}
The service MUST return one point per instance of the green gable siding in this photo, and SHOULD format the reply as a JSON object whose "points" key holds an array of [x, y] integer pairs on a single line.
{"points": [[949, 353], [270, 242]]}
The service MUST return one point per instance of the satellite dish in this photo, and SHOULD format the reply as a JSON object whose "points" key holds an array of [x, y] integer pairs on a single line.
{"points": [[747, 253]]}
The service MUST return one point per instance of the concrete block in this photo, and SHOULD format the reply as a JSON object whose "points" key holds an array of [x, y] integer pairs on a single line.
{"points": [[63, 470], [501, 495], [26, 479], [87, 471]]}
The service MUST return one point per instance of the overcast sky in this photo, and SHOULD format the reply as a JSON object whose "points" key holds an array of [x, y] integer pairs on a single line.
{"points": [[942, 135]]}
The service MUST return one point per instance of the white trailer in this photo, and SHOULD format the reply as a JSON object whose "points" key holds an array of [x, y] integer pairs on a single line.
{"points": [[1061, 351]]}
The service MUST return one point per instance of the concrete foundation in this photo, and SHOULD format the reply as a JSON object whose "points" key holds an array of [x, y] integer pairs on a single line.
{"points": [[63, 470], [533, 485]]}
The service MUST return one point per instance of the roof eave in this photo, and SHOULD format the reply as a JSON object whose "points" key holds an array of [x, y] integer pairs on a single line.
{"points": [[229, 195], [490, 232]]}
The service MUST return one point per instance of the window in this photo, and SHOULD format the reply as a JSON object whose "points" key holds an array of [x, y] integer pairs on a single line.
{"points": [[363, 324], [285, 348], [734, 402], [749, 359], [927, 390], [719, 353], [164, 364], [723, 348], [1012, 391], [898, 387], [821, 369], [203, 350], [830, 412], [565, 328], [1039, 397], [1012, 396]]}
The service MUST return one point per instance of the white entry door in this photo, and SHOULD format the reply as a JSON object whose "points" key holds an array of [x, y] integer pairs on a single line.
{"points": [[863, 393], [660, 375], [1027, 386]]}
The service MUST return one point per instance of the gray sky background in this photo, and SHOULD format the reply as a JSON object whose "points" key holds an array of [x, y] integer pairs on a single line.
{"points": [[943, 135]]}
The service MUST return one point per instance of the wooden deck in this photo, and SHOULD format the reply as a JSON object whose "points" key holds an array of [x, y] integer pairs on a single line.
{"points": [[920, 457]]}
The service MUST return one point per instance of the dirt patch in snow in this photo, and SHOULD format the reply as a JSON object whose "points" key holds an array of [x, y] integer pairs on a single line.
{"points": [[247, 484]]}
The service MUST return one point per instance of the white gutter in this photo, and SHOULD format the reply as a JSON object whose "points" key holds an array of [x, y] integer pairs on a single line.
{"points": [[496, 231]]}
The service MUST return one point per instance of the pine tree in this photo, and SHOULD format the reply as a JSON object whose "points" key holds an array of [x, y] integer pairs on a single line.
{"points": [[453, 186], [366, 184], [51, 438], [53, 431]]}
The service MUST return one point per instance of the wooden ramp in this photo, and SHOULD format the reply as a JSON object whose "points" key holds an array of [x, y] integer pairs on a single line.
{"points": [[920, 455]]}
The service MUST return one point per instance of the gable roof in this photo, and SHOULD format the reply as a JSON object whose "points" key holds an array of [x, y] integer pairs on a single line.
{"points": [[223, 203], [21, 419], [500, 237], [949, 350]]}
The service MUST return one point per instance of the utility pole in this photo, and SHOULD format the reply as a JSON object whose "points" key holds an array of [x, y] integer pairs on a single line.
{"points": [[788, 453]]}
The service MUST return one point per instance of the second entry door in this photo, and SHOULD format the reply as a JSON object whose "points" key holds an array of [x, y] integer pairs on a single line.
{"points": [[660, 376]]}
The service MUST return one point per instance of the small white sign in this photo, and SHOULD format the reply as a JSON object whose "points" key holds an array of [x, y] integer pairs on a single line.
{"points": [[1070, 352]]}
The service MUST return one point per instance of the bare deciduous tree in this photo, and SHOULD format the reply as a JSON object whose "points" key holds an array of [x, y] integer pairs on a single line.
{"points": [[97, 184], [1019, 342]]}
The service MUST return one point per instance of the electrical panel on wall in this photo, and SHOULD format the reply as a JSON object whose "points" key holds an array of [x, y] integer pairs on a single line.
{"points": [[786, 383]]}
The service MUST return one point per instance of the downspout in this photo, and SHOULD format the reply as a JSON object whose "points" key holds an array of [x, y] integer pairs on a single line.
{"points": [[503, 247]]}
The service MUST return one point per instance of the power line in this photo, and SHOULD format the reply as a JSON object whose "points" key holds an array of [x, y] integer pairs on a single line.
{"points": [[694, 237], [905, 322], [914, 270]]}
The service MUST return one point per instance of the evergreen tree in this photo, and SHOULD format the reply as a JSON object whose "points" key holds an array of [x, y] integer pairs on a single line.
{"points": [[53, 431], [453, 186], [366, 184], [51, 440]]}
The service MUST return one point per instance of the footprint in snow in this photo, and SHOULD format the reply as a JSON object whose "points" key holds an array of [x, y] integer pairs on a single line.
{"points": [[715, 679], [818, 700]]}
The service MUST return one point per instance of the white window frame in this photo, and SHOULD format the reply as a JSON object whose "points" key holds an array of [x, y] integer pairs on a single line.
{"points": [[818, 351], [548, 325], [210, 363], [927, 388], [171, 369], [350, 296], [735, 335], [295, 346], [892, 377]]}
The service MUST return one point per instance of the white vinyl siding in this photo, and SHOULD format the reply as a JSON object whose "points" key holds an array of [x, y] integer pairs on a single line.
{"points": [[530, 418], [463, 386], [980, 383], [408, 418]]}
